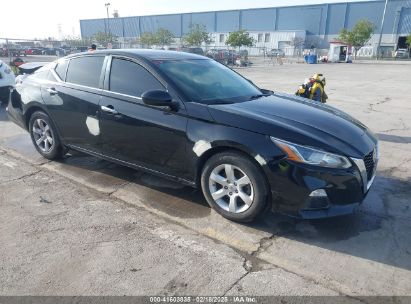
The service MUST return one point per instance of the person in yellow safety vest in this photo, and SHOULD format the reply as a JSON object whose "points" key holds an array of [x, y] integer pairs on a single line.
{"points": [[317, 91]]}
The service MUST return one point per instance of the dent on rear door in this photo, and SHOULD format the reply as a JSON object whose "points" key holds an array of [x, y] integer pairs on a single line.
{"points": [[75, 111]]}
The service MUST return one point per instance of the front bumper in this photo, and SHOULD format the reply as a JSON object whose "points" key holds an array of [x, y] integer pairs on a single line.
{"points": [[293, 184]]}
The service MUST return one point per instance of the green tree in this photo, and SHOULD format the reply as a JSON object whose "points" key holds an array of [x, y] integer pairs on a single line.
{"points": [[74, 41], [240, 38], [408, 42], [163, 37], [358, 36], [197, 35], [148, 39], [103, 38]]}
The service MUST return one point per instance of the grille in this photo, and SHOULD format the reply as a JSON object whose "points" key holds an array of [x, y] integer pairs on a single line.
{"points": [[370, 164]]}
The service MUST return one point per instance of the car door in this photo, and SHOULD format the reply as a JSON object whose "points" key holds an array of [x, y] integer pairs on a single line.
{"points": [[145, 136], [73, 101]]}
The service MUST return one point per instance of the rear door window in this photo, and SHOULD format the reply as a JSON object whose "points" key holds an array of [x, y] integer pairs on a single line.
{"points": [[85, 71], [130, 78]]}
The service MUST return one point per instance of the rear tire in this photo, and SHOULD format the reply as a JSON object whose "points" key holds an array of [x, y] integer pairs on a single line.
{"points": [[4, 95], [234, 186], [45, 137]]}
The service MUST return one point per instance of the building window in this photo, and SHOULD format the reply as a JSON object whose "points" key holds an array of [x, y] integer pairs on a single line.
{"points": [[260, 38], [221, 37], [267, 38]]}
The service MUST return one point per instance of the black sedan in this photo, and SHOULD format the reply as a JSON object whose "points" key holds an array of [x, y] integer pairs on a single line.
{"points": [[193, 120]]}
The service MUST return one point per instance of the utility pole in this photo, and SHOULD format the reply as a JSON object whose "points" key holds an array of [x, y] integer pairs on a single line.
{"points": [[8, 50], [382, 27], [107, 5]]}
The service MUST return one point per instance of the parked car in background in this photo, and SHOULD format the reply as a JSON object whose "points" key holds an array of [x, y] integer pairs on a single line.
{"points": [[195, 121], [82, 48], [35, 51], [232, 56], [54, 51], [14, 52], [61, 52], [276, 53], [7, 81], [193, 50], [221, 56], [243, 53], [402, 53]]}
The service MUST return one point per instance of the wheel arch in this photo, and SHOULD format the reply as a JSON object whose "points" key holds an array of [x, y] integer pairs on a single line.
{"points": [[38, 107], [257, 160], [31, 110]]}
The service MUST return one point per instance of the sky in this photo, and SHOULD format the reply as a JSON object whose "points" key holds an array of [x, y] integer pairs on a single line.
{"points": [[43, 18]]}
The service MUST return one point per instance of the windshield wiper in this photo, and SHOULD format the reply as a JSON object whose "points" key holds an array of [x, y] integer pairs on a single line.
{"points": [[258, 96]]}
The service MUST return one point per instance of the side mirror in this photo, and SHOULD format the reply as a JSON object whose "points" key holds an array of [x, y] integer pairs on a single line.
{"points": [[157, 98]]}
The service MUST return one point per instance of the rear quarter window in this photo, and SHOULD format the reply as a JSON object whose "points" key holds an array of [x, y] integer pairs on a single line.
{"points": [[85, 71], [61, 69]]}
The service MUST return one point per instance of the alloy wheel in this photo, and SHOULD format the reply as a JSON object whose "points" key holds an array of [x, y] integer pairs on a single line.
{"points": [[43, 136], [231, 188]]}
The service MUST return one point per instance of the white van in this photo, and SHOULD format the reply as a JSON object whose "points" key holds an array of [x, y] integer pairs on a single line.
{"points": [[7, 81]]}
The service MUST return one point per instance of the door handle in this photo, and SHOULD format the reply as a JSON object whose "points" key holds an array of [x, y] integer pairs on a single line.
{"points": [[109, 109], [52, 91]]}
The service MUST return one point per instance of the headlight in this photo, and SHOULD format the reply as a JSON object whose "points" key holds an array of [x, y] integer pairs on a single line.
{"points": [[302, 154]]}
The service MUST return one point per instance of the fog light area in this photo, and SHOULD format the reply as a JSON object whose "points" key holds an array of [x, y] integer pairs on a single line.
{"points": [[318, 199]]}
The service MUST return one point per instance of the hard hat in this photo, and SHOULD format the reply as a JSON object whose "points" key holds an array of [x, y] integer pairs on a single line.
{"points": [[318, 76]]}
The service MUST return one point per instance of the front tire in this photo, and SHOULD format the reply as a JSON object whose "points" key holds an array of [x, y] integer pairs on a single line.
{"points": [[45, 137], [234, 186]]}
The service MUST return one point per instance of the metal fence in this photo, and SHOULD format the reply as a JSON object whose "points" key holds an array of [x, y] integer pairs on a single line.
{"points": [[12, 47]]}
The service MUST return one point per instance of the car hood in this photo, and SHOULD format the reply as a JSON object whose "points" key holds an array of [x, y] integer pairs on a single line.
{"points": [[298, 120]]}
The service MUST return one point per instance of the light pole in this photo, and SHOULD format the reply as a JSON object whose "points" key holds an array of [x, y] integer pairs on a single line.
{"points": [[382, 27], [107, 5]]}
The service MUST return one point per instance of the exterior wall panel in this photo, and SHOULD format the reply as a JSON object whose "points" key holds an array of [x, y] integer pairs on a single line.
{"points": [[336, 15], [371, 11], [115, 27], [187, 20], [131, 27], [91, 27], [228, 21], [259, 19], [207, 19], [405, 22], [153, 23], [300, 18], [320, 22]]}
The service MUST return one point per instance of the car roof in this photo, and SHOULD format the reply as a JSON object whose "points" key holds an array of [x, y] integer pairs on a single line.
{"points": [[147, 54]]}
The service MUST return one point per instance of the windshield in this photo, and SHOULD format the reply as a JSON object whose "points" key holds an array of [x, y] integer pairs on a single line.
{"points": [[206, 81]]}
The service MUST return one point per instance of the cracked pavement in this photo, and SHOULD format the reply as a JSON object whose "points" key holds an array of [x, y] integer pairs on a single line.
{"points": [[83, 226], [61, 238]]}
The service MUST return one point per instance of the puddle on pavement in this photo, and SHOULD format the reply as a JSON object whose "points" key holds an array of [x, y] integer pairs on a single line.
{"points": [[164, 195], [172, 198], [22, 144]]}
